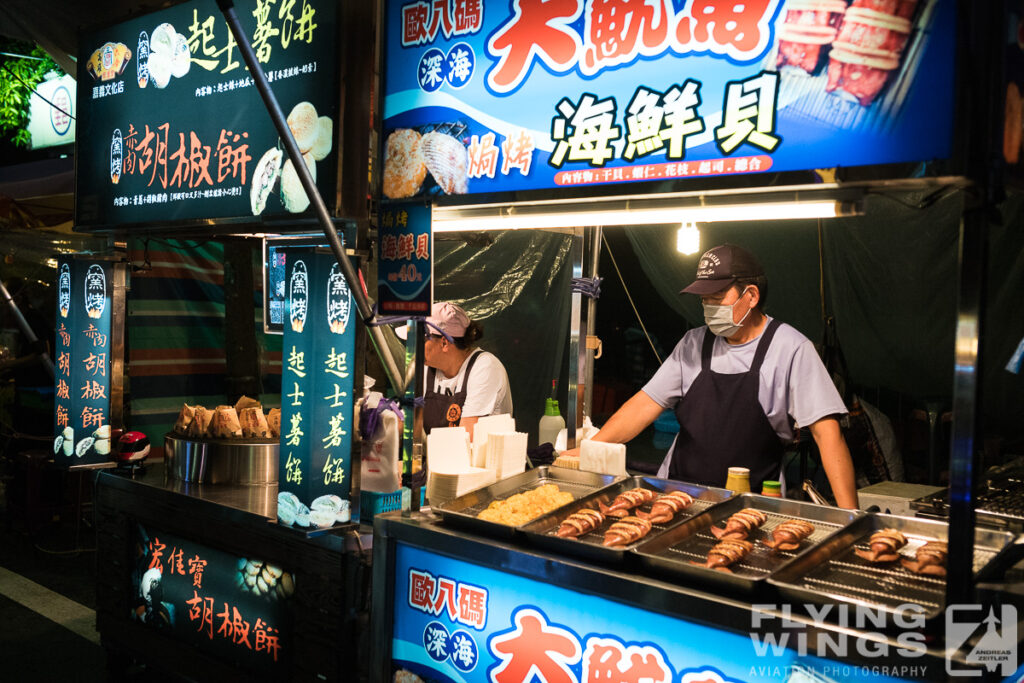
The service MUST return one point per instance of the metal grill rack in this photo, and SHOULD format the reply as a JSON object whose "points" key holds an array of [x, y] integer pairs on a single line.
{"points": [[543, 531], [683, 550], [834, 572]]}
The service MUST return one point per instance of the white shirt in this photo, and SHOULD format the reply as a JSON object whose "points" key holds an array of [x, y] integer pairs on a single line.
{"points": [[488, 392]]}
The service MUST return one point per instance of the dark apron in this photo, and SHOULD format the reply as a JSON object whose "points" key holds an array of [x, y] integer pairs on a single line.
{"points": [[723, 425], [445, 410]]}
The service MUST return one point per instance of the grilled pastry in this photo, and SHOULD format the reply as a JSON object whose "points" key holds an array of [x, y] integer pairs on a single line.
{"points": [[667, 506], [789, 534], [625, 531], [404, 166], [740, 524], [580, 523], [626, 501], [725, 553], [930, 559], [446, 160], [883, 546]]}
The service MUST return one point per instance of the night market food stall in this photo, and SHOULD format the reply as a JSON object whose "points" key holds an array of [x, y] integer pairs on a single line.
{"points": [[199, 574], [566, 115]]}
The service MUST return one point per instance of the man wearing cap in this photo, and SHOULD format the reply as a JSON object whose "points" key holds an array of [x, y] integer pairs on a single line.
{"points": [[464, 383], [737, 386]]}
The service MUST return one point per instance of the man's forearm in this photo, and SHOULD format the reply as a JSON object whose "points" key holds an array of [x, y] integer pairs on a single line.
{"points": [[835, 457], [633, 417]]}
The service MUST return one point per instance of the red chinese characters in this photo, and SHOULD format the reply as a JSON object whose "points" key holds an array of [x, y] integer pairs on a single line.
{"points": [[616, 32], [463, 603], [535, 644], [422, 20], [182, 160], [607, 659]]}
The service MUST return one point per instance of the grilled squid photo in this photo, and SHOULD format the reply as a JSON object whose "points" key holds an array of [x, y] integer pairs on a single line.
{"points": [[627, 501], [740, 524], [666, 507], [884, 546]]}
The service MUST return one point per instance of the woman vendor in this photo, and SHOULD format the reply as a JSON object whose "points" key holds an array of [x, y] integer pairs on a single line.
{"points": [[464, 382]]}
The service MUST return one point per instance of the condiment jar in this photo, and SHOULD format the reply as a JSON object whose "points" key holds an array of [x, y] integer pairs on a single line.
{"points": [[738, 480], [772, 488]]}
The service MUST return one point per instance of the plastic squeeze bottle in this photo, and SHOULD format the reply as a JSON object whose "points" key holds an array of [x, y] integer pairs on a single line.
{"points": [[550, 424]]}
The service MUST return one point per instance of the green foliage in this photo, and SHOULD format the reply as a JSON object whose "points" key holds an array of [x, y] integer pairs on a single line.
{"points": [[18, 77]]}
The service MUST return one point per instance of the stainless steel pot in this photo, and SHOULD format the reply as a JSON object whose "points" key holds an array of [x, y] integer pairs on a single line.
{"points": [[221, 461]]}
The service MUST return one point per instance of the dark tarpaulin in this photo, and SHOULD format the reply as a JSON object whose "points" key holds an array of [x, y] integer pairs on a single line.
{"points": [[516, 283]]}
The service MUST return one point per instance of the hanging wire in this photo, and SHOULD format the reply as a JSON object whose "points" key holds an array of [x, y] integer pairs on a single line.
{"points": [[608, 248]]}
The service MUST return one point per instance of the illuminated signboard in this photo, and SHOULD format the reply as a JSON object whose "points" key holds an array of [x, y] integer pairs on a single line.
{"points": [[88, 362], [233, 607], [172, 128], [318, 359], [52, 113], [405, 249], [500, 96]]}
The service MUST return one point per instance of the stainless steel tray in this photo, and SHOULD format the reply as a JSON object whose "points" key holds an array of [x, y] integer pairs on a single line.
{"points": [[590, 546], [675, 551], [834, 572], [463, 511]]}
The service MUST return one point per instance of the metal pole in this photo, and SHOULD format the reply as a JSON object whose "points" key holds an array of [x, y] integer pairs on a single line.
{"points": [[395, 376], [588, 375], [33, 340], [577, 353]]}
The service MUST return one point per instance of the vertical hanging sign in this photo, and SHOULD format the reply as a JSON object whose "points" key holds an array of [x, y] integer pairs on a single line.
{"points": [[84, 350], [404, 283], [316, 392]]}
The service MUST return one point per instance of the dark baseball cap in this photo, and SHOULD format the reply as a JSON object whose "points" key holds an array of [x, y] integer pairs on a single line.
{"points": [[720, 267]]}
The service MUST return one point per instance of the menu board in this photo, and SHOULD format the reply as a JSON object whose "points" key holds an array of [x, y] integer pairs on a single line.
{"points": [[84, 379], [318, 355], [498, 96], [172, 129], [233, 607], [405, 254]]}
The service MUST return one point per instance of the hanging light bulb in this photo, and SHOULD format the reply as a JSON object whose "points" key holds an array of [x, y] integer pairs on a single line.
{"points": [[688, 238]]}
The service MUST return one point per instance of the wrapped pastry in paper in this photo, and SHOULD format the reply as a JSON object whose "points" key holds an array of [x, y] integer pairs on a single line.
{"points": [[274, 422], [246, 402], [254, 423], [225, 424], [185, 418], [200, 424]]}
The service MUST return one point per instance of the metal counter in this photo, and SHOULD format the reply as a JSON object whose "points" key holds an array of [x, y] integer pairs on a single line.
{"points": [[528, 580], [320, 622]]}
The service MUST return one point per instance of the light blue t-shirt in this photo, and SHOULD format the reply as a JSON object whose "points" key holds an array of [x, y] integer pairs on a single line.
{"points": [[795, 388]]}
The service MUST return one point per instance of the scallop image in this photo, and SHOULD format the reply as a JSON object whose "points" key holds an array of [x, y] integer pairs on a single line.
{"points": [[293, 195], [181, 57], [404, 165], [303, 123], [263, 178], [446, 160], [83, 446], [324, 138]]}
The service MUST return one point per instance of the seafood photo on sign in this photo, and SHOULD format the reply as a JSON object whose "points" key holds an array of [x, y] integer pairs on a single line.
{"points": [[430, 159]]}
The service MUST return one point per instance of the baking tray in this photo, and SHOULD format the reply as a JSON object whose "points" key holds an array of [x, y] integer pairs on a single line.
{"points": [[589, 546], [674, 552], [463, 511], [833, 572]]}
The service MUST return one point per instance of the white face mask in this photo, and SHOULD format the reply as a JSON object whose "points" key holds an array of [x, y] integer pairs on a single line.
{"points": [[719, 318]]}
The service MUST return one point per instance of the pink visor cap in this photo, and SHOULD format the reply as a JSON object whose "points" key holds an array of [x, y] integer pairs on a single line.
{"points": [[449, 318]]}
